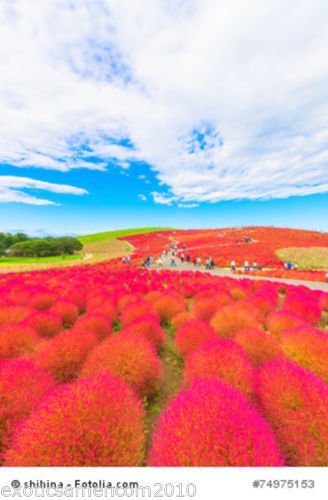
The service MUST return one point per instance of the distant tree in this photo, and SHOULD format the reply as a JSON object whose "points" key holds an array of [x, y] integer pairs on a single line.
{"points": [[18, 237], [45, 247], [8, 239], [68, 245], [2, 248]]}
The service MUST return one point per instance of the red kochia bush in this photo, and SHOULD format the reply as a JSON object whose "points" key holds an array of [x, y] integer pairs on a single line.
{"points": [[97, 323], [307, 346], [42, 300], [22, 385], [133, 310], [205, 307], [67, 310], [192, 334], [259, 346], [132, 358], [64, 355], [323, 301], [78, 297], [13, 314], [265, 299], [181, 318], [278, 321], [230, 319], [45, 323], [93, 422], [101, 303], [169, 305], [211, 424], [17, 339], [148, 327], [224, 360], [295, 402], [303, 305]]}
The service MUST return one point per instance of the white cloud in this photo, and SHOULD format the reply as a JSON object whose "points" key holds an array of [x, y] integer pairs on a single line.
{"points": [[163, 199], [225, 100], [187, 205], [10, 190], [142, 197]]}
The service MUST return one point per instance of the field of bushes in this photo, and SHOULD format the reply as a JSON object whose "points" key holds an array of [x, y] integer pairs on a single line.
{"points": [[268, 246], [105, 365]]}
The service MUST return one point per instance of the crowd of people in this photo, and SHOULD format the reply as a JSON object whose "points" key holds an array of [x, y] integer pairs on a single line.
{"points": [[247, 266], [290, 266], [174, 254]]}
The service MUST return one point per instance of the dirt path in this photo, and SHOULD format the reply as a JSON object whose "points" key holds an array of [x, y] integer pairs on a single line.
{"points": [[172, 364], [314, 285]]}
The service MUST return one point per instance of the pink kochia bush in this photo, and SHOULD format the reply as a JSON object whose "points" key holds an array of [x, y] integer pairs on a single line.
{"points": [[129, 357], [259, 346], [149, 327], [303, 305], [307, 346], [64, 355], [192, 334], [265, 299], [45, 323], [17, 339], [212, 424], [224, 360], [97, 323], [133, 310], [22, 385], [94, 422], [295, 402]]}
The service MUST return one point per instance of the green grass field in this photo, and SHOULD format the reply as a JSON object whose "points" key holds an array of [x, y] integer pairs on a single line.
{"points": [[8, 261], [305, 258], [109, 235]]}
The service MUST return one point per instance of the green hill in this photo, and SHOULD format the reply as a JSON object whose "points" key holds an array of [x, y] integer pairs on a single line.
{"points": [[120, 233]]}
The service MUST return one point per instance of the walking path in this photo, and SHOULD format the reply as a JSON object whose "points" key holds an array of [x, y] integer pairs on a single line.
{"points": [[224, 272]]}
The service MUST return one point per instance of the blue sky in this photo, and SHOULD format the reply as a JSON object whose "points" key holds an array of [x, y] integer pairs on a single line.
{"points": [[177, 113]]}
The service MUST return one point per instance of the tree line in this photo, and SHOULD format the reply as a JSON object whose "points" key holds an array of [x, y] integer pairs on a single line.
{"points": [[21, 245]]}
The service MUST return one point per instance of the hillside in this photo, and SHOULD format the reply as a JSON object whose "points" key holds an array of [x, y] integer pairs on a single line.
{"points": [[119, 233]]}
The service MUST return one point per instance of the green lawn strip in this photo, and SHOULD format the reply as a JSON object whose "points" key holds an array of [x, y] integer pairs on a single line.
{"points": [[37, 260], [306, 258]]}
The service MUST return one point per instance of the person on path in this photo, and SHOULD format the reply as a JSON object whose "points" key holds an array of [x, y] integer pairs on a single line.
{"points": [[246, 266], [212, 263], [199, 261], [173, 263], [233, 265], [254, 266], [128, 260], [188, 257]]}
